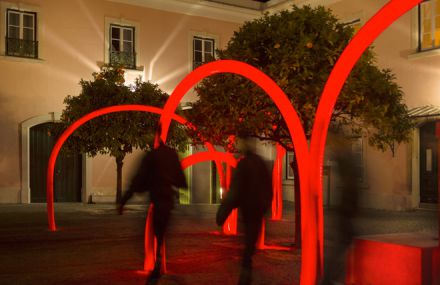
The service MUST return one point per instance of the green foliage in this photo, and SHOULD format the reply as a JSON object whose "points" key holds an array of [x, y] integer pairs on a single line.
{"points": [[118, 133], [115, 134], [297, 49]]}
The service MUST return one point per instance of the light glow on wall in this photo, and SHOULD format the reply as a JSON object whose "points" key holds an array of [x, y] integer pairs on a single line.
{"points": [[62, 45], [167, 44]]}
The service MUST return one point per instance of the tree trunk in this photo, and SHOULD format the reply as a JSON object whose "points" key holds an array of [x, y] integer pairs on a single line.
{"points": [[119, 164], [296, 187]]}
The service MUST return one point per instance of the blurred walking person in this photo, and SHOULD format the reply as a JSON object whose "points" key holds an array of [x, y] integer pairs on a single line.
{"points": [[160, 174], [251, 192], [340, 225]]}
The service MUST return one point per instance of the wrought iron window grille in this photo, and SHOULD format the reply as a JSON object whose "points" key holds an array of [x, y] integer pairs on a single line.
{"points": [[21, 48], [126, 59]]}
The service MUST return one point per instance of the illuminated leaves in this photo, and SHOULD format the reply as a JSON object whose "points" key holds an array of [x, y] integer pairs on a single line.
{"points": [[119, 133], [298, 49]]}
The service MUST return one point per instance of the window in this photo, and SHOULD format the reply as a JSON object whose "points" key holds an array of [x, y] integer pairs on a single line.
{"points": [[289, 169], [203, 50], [122, 46], [429, 25], [21, 34]]}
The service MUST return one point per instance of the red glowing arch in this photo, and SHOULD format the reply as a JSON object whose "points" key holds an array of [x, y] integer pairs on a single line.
{"points": [[309, 230], [56, 149], [211, 154], [309, 162], [364, 37], [277, 185]]}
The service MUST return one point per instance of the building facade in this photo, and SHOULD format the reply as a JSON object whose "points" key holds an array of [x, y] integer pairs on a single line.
{"points": [[47, 46]]}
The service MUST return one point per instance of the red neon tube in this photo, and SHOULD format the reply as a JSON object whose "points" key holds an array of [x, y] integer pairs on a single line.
{"points": [[364, 37]]}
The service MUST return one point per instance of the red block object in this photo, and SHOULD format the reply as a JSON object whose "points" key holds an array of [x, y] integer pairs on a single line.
{"points": [[404, 259], [436, 267]]}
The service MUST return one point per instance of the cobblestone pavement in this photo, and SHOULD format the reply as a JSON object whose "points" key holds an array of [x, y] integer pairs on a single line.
{"points": [[93, 245]]}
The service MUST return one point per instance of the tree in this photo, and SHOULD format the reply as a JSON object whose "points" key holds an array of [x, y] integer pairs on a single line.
{"points": [[116, 134], [298, 49]]}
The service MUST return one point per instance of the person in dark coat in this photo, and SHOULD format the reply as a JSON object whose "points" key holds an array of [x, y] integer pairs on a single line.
{"points": [[159, 173], [340, 229], [251, 192]]}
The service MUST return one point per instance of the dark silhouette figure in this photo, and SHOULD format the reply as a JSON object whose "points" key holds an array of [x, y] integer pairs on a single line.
{"points": [[251, 192], [340, 231], [159, 172]]}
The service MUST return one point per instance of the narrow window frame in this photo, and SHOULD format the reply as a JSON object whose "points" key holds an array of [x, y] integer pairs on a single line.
{"points": [[20, 39], [121, 40], [420, 31], [203, 39], [289, 174]]}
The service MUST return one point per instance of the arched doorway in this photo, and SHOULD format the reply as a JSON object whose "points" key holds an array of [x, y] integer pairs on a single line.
{"points": [[428, 163], [68, 169]]}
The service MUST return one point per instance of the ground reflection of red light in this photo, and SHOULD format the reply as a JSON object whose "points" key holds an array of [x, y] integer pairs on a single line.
{"points": [[142, 272]]}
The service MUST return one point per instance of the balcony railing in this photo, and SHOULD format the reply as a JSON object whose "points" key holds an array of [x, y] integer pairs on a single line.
{"points": [[126, 59], [198, 63], [21, 48]]}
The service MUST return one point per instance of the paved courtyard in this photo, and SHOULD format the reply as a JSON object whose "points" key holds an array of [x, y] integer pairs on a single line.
{"points": [[94, 245]]}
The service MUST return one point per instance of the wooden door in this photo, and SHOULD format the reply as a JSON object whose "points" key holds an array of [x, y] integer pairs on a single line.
{"points": [[428, 164], [67, 174]]}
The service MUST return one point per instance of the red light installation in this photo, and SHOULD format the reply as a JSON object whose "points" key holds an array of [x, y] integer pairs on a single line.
{"points": [[364, 37], [277, 183], [69, 131], [150, 242], [309, 163], [230, 225], [311, 197], [80, 122], [308, 231], [260, 241]]}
